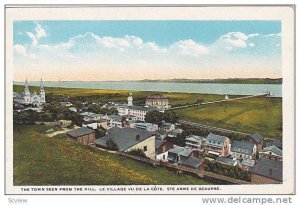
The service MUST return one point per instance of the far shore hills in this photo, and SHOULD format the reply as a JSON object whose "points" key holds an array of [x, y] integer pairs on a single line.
{"points": [[185, 80], [227, 80]]}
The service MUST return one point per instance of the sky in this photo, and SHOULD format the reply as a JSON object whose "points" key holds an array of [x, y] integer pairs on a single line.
{"points": [[136, 50]]}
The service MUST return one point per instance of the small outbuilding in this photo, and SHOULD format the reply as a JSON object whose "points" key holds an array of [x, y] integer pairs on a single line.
{"points": [[82, 135]]}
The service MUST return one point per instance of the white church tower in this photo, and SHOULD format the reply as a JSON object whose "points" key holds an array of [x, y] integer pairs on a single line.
{"points": [[130, 99], [42, 93], [26, 93]]}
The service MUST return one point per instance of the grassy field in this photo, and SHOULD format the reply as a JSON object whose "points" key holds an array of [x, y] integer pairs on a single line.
{"points": [[121, 95], [263, 115], [40, 160]]}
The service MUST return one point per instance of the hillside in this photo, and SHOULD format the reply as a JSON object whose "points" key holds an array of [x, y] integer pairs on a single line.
{"points": [[40, 160]]}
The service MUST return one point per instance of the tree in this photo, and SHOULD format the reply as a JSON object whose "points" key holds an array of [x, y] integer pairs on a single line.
{"points": [[179, 140], [111, 145], [170, 117], [199, 101], [100, 133], [123, 121], [154, 117]]}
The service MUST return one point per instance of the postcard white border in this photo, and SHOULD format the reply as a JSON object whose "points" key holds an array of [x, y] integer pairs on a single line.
{"points": [[283, 13]]}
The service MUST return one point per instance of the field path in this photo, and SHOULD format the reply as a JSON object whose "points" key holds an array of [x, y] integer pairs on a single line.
{"points": [[218, 101], [58, 132]]}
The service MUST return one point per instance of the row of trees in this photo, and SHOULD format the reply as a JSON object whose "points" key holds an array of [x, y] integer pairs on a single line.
{"points": [[157, 117], [104, 111]]}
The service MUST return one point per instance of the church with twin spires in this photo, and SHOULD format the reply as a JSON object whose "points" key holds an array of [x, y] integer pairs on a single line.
{"points": [[28, 98]]}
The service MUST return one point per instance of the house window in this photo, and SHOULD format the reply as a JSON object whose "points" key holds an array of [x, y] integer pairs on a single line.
{"points": [[164, 157], [145, 148]]}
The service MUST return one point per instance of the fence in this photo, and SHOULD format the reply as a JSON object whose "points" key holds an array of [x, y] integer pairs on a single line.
{"points": [[197, 172]]}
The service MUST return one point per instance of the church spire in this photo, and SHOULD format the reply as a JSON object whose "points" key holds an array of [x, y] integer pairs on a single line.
{"points": [[26, 83], [42, 85], [26, 88]]}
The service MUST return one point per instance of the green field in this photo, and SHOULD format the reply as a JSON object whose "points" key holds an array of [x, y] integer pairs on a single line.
{"points": [[121, 95], [263, 115], [40, 160]]}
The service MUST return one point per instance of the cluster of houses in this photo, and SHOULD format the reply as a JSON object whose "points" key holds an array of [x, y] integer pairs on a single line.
{"points": [[261, 157], [128, 130]]}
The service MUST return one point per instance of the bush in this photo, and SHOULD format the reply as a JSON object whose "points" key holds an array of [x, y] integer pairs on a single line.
{"points": [[138, 153], [111, 145], [227, 170]]}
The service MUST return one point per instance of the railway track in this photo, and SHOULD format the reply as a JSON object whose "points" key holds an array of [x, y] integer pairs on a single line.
{"points": [[211, 128]]}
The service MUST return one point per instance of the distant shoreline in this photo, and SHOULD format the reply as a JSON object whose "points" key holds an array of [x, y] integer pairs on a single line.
{"points": [[224, 81], [183, 80]]}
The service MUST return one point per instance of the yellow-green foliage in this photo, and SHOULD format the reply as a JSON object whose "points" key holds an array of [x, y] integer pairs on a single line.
{"points": [[263, 115], [40, 160]]}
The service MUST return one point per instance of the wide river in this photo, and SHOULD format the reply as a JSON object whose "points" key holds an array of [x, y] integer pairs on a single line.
{"points": [[212, 88]]}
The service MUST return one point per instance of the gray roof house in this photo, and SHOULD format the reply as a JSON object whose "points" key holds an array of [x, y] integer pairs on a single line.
{"points": [[191, 162], [179, 154], [247, 163], [217, 145], [80, 132], [82, 135], [257, 138], [275, 142], [129, 138], [267, 170], [167, 126], [271, 152], [227, 161], [273, 149], [215, 140], [195, 141], [243, 150]]}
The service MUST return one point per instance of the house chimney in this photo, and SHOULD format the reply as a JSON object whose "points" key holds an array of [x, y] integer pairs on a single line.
{"points": [[137, 137], [270, 172]]}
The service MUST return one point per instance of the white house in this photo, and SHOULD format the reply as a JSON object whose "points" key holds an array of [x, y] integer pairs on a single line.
{"points": [[168, 127], [91, 124], [194, 142], [88, 116], [161, 149], [134, 112]]}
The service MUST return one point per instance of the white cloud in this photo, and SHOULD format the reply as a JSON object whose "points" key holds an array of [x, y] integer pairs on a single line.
{"points": [[20, 49], [234, 39], [253, 35], [40, 32], [251, 44], [189, 48], [107, 52], [34, 40], [273, 34]]}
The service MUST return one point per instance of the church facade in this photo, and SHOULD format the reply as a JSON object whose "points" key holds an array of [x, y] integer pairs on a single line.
{"points": [[28, 98]]}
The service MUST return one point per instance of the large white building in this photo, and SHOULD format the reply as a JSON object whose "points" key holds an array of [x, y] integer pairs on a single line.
{"points": [[158, 101], [29, 98], [134, 112]]}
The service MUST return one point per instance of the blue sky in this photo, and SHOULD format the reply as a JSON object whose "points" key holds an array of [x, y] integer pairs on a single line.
{"points": [[149, 49]]}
